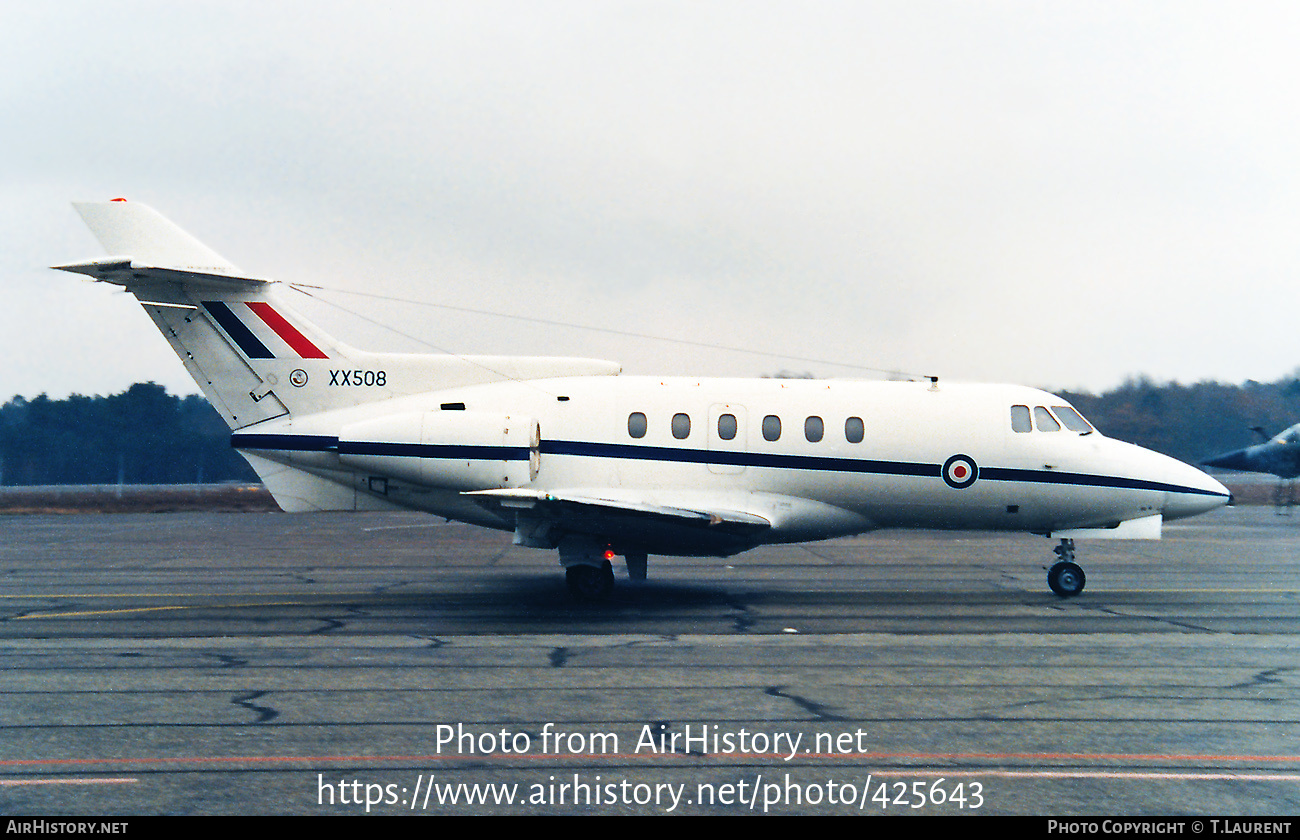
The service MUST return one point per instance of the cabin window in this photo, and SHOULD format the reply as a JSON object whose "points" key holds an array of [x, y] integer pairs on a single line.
{"points": [[853, 430], [1044, 420], [681, 426], [636, 424], [1020, 419], [814, 429], [727, 427], [1072, 419], [771, 427]]}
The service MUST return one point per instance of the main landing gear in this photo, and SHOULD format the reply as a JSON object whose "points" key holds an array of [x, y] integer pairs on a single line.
{"points": [[1066, 577], [590, 583], [588, 570]]}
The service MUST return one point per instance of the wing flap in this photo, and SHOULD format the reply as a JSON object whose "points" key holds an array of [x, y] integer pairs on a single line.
{"points": [[535, 499]]}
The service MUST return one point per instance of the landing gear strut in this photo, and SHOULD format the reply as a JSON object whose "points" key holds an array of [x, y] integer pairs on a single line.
{"points": [[1284, 496], [636, 565], [1066, 578]]}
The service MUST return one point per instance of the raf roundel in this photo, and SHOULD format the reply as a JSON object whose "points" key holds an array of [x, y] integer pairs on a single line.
{"points": [[960, 471]]}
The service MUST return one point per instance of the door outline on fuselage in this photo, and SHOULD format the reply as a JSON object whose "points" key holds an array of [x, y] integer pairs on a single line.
{"points": [[739, 442]]}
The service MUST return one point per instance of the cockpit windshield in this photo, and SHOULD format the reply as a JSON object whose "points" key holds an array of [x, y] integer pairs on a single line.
{"points": [[1071, 418], [1047, 421]]}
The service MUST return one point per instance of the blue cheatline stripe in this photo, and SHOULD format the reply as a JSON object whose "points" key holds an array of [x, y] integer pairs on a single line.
{"points": [[855, 465], [253, 348], [330, 443], [459, 452], [320, 443], [285, 443], [1054, 477], [736, 459]]}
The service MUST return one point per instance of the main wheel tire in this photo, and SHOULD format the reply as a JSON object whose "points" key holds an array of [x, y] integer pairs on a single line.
{"points": [[1066, 579], [590, 583]]}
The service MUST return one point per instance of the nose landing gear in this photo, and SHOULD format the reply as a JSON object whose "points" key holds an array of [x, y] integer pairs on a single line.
{"points": [[1066, 578]]}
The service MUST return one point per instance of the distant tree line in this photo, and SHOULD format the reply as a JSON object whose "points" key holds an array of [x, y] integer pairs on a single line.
{"points": [[147, 436], [141, 436]]}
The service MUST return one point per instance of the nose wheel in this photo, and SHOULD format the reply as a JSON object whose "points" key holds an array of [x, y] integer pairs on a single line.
{"points": [[1065, 577]]}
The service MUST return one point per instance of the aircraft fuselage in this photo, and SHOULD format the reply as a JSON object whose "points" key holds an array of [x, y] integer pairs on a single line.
{"points": [[571, 455]]}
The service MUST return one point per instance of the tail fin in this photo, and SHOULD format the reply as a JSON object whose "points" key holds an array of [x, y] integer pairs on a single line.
{"points": [[254, 357], [149, 238], [247, 350], [257, 360]]}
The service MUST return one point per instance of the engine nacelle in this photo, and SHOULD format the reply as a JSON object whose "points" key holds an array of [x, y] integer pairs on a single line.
{"points": [[453, 450]]}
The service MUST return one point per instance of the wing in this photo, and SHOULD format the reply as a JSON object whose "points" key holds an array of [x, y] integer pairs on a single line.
{"points": [[628, 521]]}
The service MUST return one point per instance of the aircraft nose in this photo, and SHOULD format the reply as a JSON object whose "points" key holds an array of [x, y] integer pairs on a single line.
{"points": [[1194, 492]]}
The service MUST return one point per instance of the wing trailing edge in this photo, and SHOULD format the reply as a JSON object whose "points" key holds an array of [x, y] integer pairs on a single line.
{"points": [[523, 498]]}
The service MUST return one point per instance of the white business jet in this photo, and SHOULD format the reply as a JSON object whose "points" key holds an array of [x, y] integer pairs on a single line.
{"points": [[569, 455]]}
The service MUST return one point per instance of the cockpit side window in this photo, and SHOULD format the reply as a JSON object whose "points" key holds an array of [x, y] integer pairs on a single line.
{"points": [[1044, 420], [1020, 419]]}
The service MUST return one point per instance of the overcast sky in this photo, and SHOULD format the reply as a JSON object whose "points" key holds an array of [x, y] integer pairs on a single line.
{"points": [[1052, 193]]}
